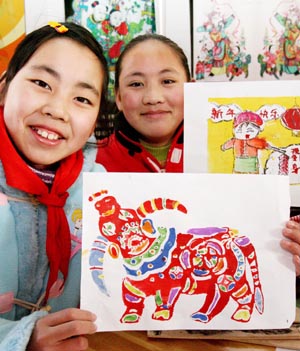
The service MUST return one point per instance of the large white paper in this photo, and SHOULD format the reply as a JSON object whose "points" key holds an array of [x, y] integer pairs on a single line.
{"points": [[187, 239]]}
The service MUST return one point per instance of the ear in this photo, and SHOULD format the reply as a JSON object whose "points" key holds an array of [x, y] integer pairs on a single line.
{"points": [[118, 100]]}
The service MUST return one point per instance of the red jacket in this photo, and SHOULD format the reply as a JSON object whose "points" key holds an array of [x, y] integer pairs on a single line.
{"points": [[122, 152]]}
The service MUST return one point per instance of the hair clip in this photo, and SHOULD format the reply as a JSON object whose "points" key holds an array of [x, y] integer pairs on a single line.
{"points": [[58, 27]]}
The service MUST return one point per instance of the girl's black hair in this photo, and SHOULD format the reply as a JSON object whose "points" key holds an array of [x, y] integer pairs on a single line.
{"points": [[152, 36], [36, 38]]}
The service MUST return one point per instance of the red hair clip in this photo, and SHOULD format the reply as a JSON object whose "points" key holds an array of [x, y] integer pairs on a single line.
{"points": [[58, 27]]}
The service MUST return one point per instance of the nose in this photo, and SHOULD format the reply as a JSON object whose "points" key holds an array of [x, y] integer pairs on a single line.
{"points": [[153, 95], [55, 107]]}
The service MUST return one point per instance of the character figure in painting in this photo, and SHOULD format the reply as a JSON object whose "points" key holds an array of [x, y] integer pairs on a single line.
{"points": [[222, 46], [281, 47], [245, 143]]}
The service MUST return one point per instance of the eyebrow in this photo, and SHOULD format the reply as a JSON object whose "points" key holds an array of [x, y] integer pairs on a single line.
{"points": [[56, 75], [140, 74]]}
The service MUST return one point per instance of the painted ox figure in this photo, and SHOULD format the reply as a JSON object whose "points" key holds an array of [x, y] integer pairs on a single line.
{"points": [[164, 264]]}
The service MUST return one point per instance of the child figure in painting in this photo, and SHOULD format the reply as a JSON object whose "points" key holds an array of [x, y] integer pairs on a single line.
{"points": [[245, 143], [148, 135], [49, 108]]}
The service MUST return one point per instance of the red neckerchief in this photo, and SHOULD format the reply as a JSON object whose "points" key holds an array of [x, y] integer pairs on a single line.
{"points": [[20, 176]]}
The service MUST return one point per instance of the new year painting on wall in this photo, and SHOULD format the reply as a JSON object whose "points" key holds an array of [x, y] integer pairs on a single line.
{"points": [[246, 40], [244, 127], [113, 23], [186, 251], [12, 29]]}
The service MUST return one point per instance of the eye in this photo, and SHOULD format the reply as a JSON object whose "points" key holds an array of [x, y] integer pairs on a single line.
{"points": [[168, 81], [83, 100], [135, 84], [41, 83]]}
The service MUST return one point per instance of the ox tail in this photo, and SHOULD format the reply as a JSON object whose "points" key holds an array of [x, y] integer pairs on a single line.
{"points": [[96, 260], [159, 204], [248, 250], [97, 194]]}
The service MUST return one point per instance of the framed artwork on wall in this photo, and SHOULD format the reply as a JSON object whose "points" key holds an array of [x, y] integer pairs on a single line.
{"points": [[253, 40]]}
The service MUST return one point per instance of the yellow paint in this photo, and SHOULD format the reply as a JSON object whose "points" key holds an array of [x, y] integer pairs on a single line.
{"points": [[134, 289], [11, 13], [12, 29], [165, 314], [85, 252], [222, 161], [13, 35], [242, 315]]}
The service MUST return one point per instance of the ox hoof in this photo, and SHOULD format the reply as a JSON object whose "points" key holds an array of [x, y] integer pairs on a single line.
{"points": [[242, 315], [200, 317], [162, 315], [130, 318]]}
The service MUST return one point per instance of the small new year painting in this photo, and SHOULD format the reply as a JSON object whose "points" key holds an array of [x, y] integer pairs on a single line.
{"points": [[186, 251], [244, 128], [246, 40]]}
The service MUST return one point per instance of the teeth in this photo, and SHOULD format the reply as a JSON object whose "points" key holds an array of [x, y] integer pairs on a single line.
{"points": [[46, 135]]}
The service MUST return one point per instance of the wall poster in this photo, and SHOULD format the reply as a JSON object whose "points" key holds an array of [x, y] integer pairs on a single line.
{"points": [[246, 40], [183, 252]]}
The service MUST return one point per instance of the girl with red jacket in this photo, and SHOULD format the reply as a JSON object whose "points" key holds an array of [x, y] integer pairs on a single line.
{"points": [[148, 133]]}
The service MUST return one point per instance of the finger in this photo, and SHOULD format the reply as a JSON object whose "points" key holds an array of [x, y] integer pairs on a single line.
{"points": [[55, 336], [292, 231], [291, 246], [293, 225], [74, 328], [64, 324], [68, 315]]}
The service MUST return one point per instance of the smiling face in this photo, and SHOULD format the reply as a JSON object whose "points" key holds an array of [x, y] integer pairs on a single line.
{"points": [[51, 105], [150, 91], [246, 130]]}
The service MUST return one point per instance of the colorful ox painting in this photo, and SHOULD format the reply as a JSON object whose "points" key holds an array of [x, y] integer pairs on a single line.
{"points": [[164, 264]]}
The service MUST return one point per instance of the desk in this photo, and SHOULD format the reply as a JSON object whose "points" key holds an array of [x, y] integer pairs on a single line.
{"points": [[138, 341]]}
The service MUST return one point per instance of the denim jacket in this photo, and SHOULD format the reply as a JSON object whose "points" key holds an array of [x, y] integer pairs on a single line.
{"points": [[23, 259]]}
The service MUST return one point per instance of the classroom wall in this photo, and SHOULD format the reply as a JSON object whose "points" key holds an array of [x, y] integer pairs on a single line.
{"points": [[175, 19]]}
